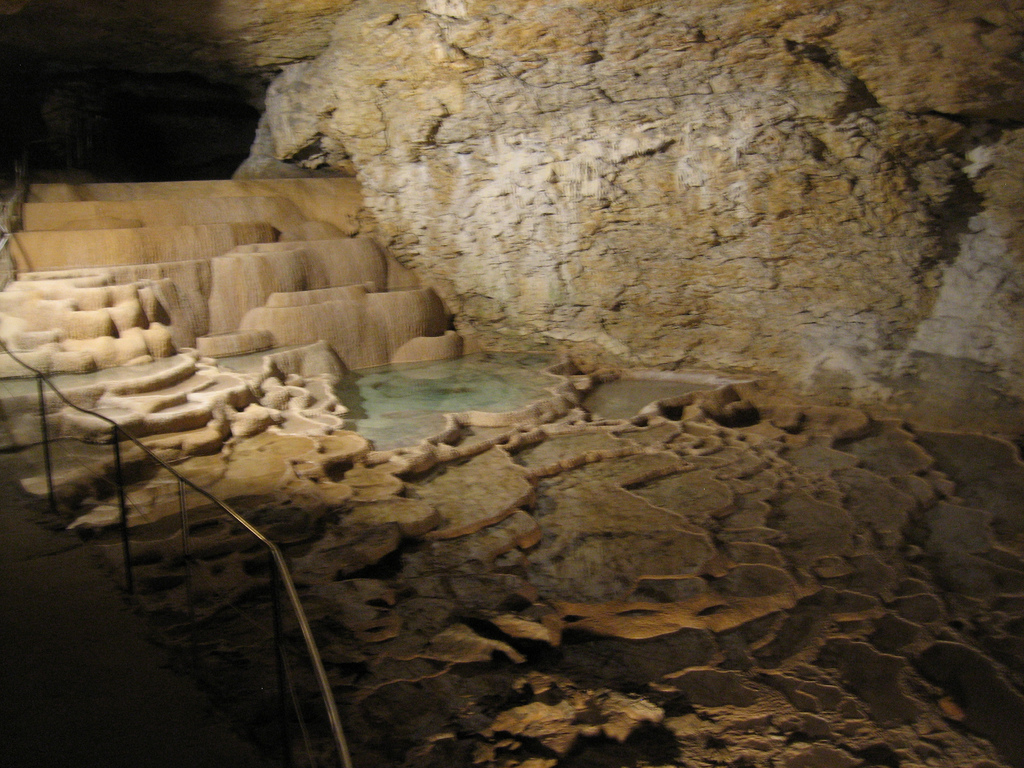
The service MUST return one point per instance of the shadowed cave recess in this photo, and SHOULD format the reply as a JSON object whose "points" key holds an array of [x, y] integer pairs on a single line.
{"points": [[627, 384]]}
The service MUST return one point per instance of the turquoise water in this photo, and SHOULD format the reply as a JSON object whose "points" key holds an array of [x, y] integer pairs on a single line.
{"points": [[401, 404]]}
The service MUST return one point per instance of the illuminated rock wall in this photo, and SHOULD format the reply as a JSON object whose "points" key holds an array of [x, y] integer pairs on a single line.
{"points": [[818, 189]]}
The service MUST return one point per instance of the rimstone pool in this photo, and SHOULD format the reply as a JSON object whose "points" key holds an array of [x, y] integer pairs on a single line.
{"points": [[401, 404]]}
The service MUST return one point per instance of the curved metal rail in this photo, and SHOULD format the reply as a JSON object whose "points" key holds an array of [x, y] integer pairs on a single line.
{"points": [[280, 566]]}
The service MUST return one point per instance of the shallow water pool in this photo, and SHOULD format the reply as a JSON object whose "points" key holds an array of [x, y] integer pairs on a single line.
{"points": [[398, 405]]}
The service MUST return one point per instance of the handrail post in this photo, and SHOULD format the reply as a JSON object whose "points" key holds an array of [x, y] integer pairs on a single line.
{"points": [[279, 568], [47, 461], [282, 674], [186, 553], [126, 547]]}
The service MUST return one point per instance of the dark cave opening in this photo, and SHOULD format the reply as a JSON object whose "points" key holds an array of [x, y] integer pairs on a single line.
{"points": [[109, 125]]}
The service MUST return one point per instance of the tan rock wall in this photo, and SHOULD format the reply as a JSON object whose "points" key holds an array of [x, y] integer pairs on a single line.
{"points": [[978, 312], [793, 186]]}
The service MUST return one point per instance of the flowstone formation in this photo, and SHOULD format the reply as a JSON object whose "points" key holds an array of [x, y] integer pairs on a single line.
{"points": [[253, 266], [792, 185], [729, 577], [179, 275]]}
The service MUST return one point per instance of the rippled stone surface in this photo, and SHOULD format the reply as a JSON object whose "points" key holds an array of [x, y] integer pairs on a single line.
{"points": [[728, 576]]}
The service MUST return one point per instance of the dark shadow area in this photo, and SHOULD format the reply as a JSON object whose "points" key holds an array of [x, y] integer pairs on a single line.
{"points": [[99, 91], [127, 126], [19, 116], [83, 685]]}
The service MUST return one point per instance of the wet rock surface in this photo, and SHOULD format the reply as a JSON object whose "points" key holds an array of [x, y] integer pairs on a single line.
{"points": [[811, 588]]}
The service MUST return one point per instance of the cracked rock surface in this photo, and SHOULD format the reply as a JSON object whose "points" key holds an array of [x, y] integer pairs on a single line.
{"points": [[728, 578]]}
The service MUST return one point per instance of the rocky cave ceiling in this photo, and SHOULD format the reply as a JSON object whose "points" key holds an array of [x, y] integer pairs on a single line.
{"points": [[972, 48], [221, 39]]}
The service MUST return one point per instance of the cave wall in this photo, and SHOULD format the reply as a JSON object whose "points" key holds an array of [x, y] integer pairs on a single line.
{"points": [[824, 190]]}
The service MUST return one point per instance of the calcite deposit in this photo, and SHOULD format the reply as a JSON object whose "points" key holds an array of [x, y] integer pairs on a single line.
{"points": [[727, 577], [119, 274], [817, 189]]}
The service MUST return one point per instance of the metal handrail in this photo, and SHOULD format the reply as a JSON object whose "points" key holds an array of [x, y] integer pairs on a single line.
{"points": [[280, 570]]}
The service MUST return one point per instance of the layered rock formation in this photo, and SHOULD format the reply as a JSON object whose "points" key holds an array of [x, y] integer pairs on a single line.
{"points": [[233, 273], [160, 270], [824, 190]]}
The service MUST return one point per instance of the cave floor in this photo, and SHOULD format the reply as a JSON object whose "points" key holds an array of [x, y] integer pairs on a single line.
{"points": [[729, 577], [83, 685]]}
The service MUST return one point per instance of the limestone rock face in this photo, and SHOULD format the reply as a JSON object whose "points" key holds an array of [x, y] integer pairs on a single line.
{"points": [[976, 312], [814, 188]]}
